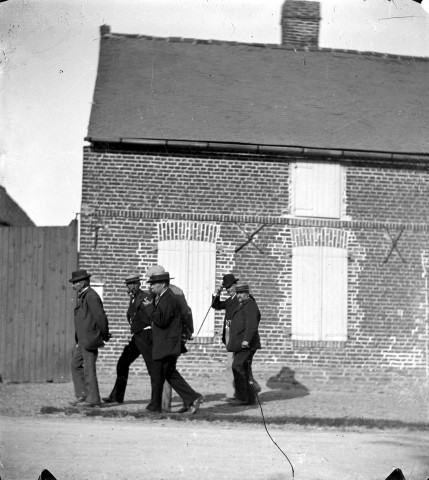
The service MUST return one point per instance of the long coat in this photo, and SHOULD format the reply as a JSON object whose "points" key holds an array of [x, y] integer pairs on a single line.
{"points": [[244, 327], [166, 326], [137, 313], [229, 305], [90, 321]]}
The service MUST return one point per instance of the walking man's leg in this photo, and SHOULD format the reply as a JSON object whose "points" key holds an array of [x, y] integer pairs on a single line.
{"points": [[129, 354]]}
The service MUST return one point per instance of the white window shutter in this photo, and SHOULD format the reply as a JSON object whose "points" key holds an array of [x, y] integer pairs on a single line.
{"points": [[317, 190], [303, 189], [202, 274], [306, 293], [192, 264], [319, 293], [334, 306]]}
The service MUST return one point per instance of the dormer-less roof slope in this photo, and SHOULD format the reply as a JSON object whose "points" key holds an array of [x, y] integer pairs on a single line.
{"points": [[11, 214], [175, 89]]}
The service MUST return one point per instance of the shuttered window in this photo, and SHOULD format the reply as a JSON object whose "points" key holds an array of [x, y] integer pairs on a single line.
{"points": [[319, 293], [316, 190], [192, 263]]}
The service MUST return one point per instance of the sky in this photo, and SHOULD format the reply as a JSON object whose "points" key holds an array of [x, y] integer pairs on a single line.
{"points": [[48, 61]]}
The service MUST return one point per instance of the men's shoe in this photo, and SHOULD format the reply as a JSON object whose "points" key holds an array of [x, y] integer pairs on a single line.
{"points": [[110, 400], [196, 404], [184, 409], [77, 402], [153, 409]]}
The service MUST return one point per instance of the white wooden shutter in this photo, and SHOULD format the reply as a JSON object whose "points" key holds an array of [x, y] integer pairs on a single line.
{"points": [[192, 264], [316, 190], [334, 305], [306, 293], [319, 293]]}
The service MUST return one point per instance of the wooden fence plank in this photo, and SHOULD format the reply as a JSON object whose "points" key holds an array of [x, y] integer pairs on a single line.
{"points": [[61, 319], [14, 313], [4, 285], [39, 278], [27, 303], [72, 265]]}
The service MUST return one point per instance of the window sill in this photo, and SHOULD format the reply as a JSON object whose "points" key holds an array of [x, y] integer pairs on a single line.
{"points": [[327, 344]]}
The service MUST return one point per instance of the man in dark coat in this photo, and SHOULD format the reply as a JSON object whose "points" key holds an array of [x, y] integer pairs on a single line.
{"points": [[91, 331], [244, 341], [167, 344], [140, 343], [230, 304]]}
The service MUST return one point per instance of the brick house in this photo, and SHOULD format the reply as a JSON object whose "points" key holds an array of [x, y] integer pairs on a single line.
{"points": [[302, 170]]}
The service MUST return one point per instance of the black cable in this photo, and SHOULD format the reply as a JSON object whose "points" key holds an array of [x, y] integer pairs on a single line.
{"points": [[266, 429]]}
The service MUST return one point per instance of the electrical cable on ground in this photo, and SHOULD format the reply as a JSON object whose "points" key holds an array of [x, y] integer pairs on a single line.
{"points": [[266, 429]]}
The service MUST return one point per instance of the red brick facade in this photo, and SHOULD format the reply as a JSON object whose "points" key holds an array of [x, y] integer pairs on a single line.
{"points": [[126, 194]]}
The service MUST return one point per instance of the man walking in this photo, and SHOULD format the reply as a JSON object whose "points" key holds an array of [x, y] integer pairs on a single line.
{"points": [[166, 324], [230, 304], [243, 342], [140, 343], [91, 331]]}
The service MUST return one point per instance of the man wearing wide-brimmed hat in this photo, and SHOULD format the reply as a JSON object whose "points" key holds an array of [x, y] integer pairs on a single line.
{"points": [[243, 342], [230, 304], [166, 324], [141, 339], [91, 331]]}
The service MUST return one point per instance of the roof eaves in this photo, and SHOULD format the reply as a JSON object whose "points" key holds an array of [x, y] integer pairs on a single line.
{"points": [[199, 41]]}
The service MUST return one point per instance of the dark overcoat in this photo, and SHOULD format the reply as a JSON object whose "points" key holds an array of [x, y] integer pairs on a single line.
{"points": [[137, 313], [244, 327], [90, 321], [166, 326]]}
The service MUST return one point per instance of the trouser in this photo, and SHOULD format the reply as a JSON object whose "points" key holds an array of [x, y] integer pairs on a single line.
{"points": [[229, 375], [84, 374], [140, 344], [165, 369], [241, 370]]}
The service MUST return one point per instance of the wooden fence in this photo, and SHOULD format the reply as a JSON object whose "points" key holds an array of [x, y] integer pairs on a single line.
{"points": [[36, 302]]}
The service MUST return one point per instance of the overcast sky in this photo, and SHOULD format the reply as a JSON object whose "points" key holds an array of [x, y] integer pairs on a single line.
{"points": [[48, 61]]}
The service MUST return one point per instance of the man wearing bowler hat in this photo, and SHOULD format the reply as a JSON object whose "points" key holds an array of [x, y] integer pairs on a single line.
{"points": [[140, 343], [91, 331], [166, 324], [230, 304], [243, 342]]}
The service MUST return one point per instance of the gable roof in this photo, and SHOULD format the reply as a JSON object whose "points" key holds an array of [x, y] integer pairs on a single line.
{"points": [[11, 214], [212, 91]]}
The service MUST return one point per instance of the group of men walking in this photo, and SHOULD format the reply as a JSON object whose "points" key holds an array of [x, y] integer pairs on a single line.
{"points": [[160, 324]]}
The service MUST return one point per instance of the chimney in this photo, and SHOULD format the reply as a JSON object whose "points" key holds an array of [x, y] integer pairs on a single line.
{"points": [[300, 23], [104, 30]]}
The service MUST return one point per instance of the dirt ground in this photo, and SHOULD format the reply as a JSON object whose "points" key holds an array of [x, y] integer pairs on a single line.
{"points": [[326, 432]]}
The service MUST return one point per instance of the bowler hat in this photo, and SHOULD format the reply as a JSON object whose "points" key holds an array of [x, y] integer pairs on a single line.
{"points": [[229, 280], [79, 275], [161, 278], [135, 279], [242, 289]]}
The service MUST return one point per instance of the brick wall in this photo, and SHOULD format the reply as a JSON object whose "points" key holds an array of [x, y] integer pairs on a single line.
{"points": [[127, 194]]}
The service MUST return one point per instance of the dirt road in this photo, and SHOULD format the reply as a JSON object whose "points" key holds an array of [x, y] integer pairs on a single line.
{"points": [[127, 449]]}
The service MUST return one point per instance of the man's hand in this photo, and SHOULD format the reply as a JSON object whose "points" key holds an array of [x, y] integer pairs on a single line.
{"points": [[147, 302], [217, 291], [244, 344]]}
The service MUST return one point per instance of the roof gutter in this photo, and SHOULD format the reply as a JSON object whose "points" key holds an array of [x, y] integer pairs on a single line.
{"points": [[263, 149]]}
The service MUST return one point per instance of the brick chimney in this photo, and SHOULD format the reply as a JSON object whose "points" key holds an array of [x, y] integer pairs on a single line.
{"points": [[300, 23]]}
